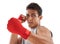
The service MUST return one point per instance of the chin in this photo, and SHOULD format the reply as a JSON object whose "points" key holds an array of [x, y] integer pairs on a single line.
{"points": [[32, 26]]}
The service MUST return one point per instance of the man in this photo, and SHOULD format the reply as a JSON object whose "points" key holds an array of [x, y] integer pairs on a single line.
{"points": [[39, 34]]}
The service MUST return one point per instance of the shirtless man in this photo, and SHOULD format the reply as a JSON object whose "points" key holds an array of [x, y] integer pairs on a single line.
{"points": [[39, 34]]}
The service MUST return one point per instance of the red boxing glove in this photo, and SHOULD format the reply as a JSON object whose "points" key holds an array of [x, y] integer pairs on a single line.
{"points": [[14, 25], [22, 18]]}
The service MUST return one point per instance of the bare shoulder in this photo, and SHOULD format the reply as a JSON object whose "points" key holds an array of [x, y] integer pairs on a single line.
{"points": [[44, 31]]}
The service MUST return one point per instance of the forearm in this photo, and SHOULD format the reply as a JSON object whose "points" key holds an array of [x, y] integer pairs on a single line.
{"points": [[35, 39], [13, 39], [19, 40]]}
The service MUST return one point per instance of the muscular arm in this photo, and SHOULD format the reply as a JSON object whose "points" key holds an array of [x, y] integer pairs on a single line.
{"points": [[14, 39], [42, 38], [35, 39]]}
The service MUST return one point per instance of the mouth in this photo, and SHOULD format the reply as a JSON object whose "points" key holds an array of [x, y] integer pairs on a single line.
{"points": [[30, 22]]}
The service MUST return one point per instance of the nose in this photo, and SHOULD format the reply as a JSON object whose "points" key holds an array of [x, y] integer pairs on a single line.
{"points": [[29, 19]]}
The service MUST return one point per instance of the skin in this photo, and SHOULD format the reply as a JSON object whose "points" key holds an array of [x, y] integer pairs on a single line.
{"points": [[43, 35]]}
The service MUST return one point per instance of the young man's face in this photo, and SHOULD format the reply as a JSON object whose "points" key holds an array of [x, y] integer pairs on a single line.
{"points": [[33, 18]]}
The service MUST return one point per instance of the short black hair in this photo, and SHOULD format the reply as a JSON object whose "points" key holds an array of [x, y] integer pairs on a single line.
{"points": [[35, 6]]}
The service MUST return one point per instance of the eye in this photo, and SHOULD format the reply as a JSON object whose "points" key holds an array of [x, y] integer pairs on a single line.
{"points": [[33, 15], [27, 15]]}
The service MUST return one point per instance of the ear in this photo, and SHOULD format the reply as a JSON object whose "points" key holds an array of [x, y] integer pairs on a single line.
{"points": [[40, 17]]}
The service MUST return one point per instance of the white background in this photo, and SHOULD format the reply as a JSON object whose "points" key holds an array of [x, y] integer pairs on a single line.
{"points": [[13, 8]]}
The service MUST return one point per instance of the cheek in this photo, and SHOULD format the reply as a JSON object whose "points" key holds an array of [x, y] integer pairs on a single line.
{"points": [[35, 22]]}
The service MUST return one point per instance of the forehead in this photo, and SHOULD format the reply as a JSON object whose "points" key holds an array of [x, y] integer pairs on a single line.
{"points": [[31, 11]]}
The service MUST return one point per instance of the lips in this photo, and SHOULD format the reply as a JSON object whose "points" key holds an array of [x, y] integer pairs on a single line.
{"points": [[30, 22]]}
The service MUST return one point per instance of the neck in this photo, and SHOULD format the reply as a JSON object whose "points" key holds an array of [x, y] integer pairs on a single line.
{"points": [[38, 27]]}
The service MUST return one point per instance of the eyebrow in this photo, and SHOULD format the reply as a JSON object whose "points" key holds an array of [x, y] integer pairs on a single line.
{"points": [[28, 14]]}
